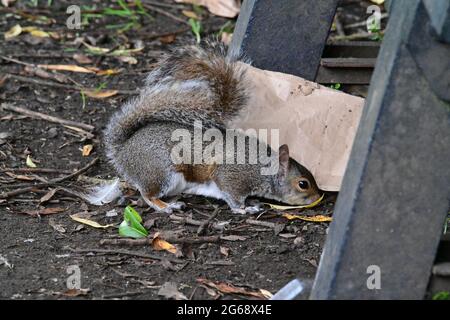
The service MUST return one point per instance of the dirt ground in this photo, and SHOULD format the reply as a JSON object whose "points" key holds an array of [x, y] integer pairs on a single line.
{"points": [[39, 242]]}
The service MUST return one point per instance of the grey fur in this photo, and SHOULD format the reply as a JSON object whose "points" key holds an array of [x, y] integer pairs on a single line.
{"points": [[189, 84]]}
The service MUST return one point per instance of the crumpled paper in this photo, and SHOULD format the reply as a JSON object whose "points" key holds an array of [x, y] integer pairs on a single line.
{"points": [[316, 122]]}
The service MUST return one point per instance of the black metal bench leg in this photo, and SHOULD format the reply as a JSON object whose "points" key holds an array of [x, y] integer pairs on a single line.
{"points": [[396, 191], [284, 35]]}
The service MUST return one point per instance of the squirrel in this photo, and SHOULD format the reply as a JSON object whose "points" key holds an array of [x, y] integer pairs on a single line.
{"points": [[188, 85]]}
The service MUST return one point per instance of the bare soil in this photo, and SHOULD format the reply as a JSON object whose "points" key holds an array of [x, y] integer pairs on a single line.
{"points": [[41, 247]]}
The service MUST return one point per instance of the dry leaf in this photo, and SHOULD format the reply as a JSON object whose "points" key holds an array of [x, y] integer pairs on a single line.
{"points": [[6, 3], [56, 226], [39, 33], [75, 292], [81, 58], [233, 238], [94, 49], [287, 235], [87, 150], [169, 290], [222, 8], [13, 32], [41, 73], [125, 52], [225, 251], [318, 218], [100, 94], [48, 195], [167, 39], [107, 72], [45, 211], [68, 67], [29, 28], [91, 223], [227, 288], [160, 244], [279, 207], [210, 291], [20, 176], [190, 14], [127, 59], [30, 162]]}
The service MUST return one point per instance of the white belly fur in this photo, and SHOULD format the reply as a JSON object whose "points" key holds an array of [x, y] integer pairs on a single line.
{"points": [[180, 185]]}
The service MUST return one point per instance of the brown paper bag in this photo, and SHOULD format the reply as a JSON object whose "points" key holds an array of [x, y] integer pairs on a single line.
{"points": [[317, 123]]}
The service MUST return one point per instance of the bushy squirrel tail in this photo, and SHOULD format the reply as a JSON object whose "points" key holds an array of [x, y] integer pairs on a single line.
{"points": [[188, 84]]}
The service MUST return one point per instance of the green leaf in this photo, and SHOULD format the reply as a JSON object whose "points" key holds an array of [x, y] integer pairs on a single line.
{"points": [[131, 226], [443, 295], [129, 212], [196, 27], [126, 231]]}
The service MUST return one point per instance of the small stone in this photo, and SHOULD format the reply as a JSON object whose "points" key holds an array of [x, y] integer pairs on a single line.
{"points": [[111, 213], [52, 133]]}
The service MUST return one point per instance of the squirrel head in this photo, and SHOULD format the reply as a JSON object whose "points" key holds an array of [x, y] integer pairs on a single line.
{"points": [[295, 184]]}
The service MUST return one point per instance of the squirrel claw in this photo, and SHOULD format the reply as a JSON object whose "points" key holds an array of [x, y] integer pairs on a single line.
{"points": [[173, 206]]}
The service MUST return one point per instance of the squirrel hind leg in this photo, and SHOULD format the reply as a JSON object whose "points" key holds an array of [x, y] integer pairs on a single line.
{"points": [[161, 206]]}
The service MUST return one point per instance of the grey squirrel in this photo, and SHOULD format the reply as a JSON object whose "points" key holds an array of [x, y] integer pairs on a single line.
{"points": [[188, 85]]}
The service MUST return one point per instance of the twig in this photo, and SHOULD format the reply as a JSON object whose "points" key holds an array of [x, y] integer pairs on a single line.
{"points": [[363, 23], [165, 5], [220, 263], [122, 294], [187, 220], [277, 227], [62, 86], [355, 36], [126, 252], [38, 170], [43, 116], [165, 13], [205, 225], [148, 241], [261, 223], [9, 194], [149, 36]]}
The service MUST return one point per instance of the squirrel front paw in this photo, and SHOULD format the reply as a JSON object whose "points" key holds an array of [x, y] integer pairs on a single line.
{"points": [[161, 206], [178, 205]]}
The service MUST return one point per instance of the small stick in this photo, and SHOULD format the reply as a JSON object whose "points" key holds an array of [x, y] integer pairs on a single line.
{"points": [[191, 221], [363, 23], [355, 36], [16, 192], [38, 170], [62, 86], [165, 5], [148, 241], [261, 223], [148, 36], [276, 227], [165, 13], [220, 263], [122, 294], [43, 116], [126, 252], [202, 228]]}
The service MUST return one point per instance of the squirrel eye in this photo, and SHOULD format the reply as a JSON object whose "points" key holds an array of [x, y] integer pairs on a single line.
{"points": [[303, 184]]}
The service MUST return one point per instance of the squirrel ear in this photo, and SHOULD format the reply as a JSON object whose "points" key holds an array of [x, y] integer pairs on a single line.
{"points": [[283, 153]]}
